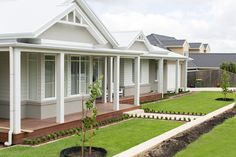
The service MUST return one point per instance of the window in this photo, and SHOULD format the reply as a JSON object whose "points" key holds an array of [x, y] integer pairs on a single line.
{"points": [[49, 76], [79, 75], [32, 77], [84, 75], [156, 70], [97, 68], [133, 71], [75, 68]]}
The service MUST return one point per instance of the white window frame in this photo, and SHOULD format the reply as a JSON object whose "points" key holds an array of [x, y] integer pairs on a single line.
{"points": [[55, 88]]}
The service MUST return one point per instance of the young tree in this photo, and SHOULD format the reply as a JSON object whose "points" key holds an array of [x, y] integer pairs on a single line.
{"points": [[225, 83], [89, 120]]}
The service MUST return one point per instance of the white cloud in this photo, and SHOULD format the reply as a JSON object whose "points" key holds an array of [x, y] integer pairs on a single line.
{"points": [[211, 21]]}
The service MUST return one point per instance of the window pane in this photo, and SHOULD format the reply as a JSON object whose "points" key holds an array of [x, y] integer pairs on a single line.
{"points": [[32, 73], [49, 76], [84, 75]]}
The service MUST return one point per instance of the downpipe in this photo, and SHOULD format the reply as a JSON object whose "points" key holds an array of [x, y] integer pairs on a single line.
{"points": [[9, 142]]}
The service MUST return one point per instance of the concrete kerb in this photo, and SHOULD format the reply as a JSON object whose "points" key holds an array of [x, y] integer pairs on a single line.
{"points": [[143, 147]]}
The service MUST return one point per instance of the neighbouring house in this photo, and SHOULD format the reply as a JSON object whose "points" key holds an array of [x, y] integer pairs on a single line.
{"points": [[204, 69], [170, 43], [50, 51], [196, 48], [207, 48]]}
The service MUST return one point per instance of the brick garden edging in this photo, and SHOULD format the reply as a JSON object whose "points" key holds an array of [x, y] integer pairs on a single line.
{"points": [[144, 147]]}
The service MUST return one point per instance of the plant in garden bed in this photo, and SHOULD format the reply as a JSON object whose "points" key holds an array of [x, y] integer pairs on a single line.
{"points": [[88, 123], [225, 86]]}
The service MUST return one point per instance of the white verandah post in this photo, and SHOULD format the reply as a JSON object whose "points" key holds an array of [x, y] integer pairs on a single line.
{"points": [[15, 89], [185, 68], [60, 59], [161, 76], [177, 76], [104, 97], [116, 103], [137, 81], [110, 78]]}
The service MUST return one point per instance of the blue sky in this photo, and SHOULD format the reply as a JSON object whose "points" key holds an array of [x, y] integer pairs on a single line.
{"points": [[210, 21]]}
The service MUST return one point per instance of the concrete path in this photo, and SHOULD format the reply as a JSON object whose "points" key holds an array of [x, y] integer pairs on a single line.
{"points": [[140, 112], [209, 89], [143, 147]]}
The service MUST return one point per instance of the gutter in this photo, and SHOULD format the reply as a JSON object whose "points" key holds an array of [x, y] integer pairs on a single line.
{"points": [[112, 52]]}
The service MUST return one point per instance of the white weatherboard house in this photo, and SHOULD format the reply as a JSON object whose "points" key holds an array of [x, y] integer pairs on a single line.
{"points": [[51, 50]]}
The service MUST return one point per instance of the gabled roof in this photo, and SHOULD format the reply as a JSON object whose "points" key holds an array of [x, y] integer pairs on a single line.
{"points": [[206, 45], [26, 17], [210, 60], [165, 41], [163, 37], [195, 45], [29, 18], [173, 43], [126, 39]]}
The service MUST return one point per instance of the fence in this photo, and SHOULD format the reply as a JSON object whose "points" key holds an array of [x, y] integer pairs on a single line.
{"points": [[208, 78]]}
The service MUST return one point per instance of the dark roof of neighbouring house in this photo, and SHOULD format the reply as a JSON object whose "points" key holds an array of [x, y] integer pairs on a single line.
{"points": [[195, 45], [164, 41], [173, 42], [205, 45], [210, 60]]}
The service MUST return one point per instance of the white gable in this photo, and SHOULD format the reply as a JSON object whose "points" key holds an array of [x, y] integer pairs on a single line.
{"points": [[32, 18], [139, 46]]}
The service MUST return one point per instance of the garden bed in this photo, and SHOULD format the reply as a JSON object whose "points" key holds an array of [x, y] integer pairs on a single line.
{"points": [[170, 147]]}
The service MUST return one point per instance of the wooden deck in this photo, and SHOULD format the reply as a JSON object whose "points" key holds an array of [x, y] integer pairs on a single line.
{"points": [[36, 127]]}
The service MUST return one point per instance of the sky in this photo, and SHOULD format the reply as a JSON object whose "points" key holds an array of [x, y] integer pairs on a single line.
{"points": [[207, 21]]}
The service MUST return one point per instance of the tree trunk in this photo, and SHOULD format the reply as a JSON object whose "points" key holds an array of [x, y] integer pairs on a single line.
{"points": [[90, 140], [83, 131]]}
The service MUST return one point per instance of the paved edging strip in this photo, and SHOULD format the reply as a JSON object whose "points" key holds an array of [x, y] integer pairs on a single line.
{"points": [[141, 113], [143, 147]]}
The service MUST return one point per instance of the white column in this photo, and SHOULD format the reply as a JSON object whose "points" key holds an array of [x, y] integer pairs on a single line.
{"points": [[15, 88], [60, 87], [110, 79], [90, 70], [177, 76], [116, 103], [185, 74], [161, 76], [105, 81], [11, 73], [137, 81]]}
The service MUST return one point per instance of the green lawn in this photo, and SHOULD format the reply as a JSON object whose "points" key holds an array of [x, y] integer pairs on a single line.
{"points": [[220, 142], [115, 139], [201, 102]]}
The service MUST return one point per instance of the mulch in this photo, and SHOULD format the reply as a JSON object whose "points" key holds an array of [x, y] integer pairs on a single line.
{"points": [[177, 143]]}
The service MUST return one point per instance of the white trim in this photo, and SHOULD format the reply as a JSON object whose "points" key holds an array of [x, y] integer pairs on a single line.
{"points": [[66, 43], [116, 103], [177, 76], [161, 76], [17, 90], [110, 82], [105, 81], [137, 82], [60, 108], [73, 24]]}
